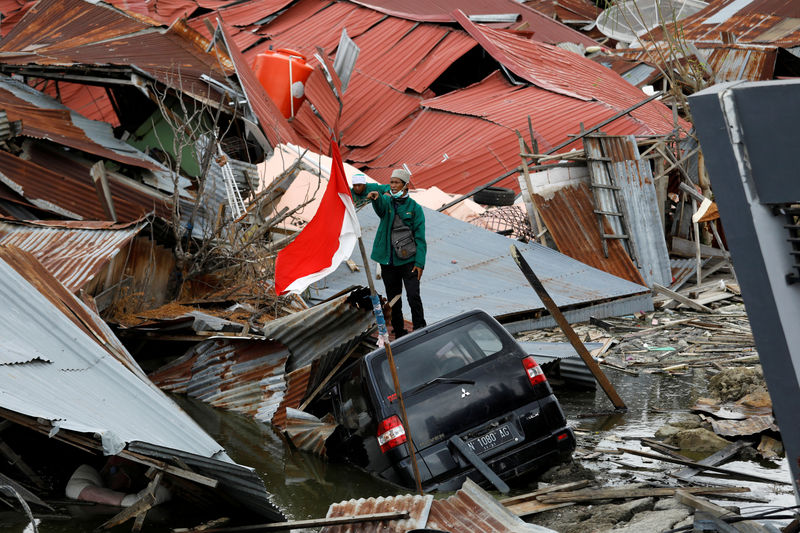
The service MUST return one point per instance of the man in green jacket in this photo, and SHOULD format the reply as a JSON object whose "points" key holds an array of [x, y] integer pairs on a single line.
{"points": [[361, 189], [400, 265]]}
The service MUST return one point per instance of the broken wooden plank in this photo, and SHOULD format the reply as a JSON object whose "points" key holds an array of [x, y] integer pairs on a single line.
{"points": [[535, 506], [23, 467], [714, 459], [687, 248], [716, 511], [614, 493], [306, 524], [733, 473], [175, 471], [680, 298], [575, 485]]}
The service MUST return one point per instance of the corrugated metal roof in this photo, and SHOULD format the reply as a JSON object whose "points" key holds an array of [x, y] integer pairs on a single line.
{"points": [[242, 375], [81, 375], [313, 332], [566, 10], [741, 62], [454, 45], [456, 156], [469, 267], [74, 32], [44, 118], [307, 432], [544, 28], [774, 22], [564, 72], [417, 507], [570, 219], [70, 192], [297, 384], [72, 255], [248, 13]]}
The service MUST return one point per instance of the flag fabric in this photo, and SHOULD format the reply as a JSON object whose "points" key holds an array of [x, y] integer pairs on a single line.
{"points": [[326, 241]]}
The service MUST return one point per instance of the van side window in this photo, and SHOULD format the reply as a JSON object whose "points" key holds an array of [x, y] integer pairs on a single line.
{"points": [[442, 354], [354, 408]]}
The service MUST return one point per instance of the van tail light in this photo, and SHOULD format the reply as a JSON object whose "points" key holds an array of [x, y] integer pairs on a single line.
{"points": [[562, 436], [391, 433], [534, 371]]}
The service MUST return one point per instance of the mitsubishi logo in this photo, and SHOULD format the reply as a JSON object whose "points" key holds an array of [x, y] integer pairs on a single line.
{"points": [[464, 392]]}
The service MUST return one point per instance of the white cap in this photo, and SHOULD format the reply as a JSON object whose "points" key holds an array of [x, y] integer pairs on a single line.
{"points": [[359, 179]]}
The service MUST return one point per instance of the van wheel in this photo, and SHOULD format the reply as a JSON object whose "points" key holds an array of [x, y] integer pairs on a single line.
{"points": [[495, 196]]}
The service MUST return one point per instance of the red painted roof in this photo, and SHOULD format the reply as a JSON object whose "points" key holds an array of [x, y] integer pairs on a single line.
{"points": [[544, 28], [567, 73], [247, 13], [469, 134]]}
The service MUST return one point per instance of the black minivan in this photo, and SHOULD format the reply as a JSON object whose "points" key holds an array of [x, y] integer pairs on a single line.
{"points": [[463, 378]]}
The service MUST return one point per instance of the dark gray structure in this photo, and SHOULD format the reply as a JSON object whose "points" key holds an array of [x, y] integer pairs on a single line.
{"points": [[750, 135]]}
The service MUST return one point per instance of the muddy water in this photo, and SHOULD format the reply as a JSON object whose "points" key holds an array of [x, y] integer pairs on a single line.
{"points": [[653, 400], [304, 486]]}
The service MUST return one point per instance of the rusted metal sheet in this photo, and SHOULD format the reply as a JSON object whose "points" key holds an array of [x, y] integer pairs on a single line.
{"points": [[70, 192], [570, 219], [272, 123], [242, 375], [113, 38], [774, 22], [615, 161], [297, 385], [742, 62], [469, 509], [314, 332], [73, 255], [307, 432], [417, 507], [44, 118]]}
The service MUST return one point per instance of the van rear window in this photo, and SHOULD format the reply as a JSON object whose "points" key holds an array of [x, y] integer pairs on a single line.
{"points": [[441, 354]]}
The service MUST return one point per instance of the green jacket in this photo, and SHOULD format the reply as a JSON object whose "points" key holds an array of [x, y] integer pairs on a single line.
{"points": [[361, 199], [410, 213]]}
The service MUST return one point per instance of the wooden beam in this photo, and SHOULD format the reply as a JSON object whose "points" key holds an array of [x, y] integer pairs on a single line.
{"points": [[681, 298], [555, 312], [614, 493]]}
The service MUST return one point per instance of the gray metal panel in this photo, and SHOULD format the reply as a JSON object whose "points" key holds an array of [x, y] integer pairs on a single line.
{"points": [[84, 388], [756, 237], [468, 267], [772, 158], [322, 329], [635, 182], [571, 367], [240, 482], [638, 74]]}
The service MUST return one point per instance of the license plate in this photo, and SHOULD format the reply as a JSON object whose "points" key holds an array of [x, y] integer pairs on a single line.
{"points": [[488, 441]]}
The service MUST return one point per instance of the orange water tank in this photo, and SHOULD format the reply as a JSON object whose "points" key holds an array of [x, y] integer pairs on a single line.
{"points": [[283, 74]]}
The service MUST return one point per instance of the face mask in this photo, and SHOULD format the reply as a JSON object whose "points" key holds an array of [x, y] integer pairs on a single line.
{"points": [[399, 193]]}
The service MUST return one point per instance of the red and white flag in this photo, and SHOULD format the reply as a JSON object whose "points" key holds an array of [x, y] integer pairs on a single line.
{"points": [[326, 241]]}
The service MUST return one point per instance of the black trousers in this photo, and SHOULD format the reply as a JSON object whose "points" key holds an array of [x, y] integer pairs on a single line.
{"points": [[394, 278]]}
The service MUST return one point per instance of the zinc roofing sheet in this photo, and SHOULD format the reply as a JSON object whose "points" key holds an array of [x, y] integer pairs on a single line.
{"points": [[418, 507], [760, 21], [567, 73], [454, 45], [44, 118], [570, 219], [468, 267], [248, 13], [242, 375], [68, 193], [78, 375], [544, 28], [73, 255], [741, 62]]}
